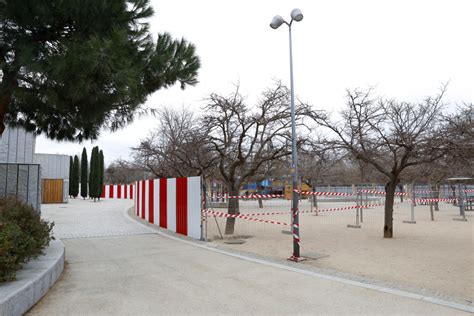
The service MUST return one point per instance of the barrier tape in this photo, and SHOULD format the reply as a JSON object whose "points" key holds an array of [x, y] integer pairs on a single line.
{"points": [[431, 191], [315, 210], [383, 192], [318, 193], [342, 208], [242, 216], [252, 196], [435, 200]]}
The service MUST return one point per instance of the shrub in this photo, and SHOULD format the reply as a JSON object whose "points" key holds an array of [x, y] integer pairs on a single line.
{"points": [[23, 236]]}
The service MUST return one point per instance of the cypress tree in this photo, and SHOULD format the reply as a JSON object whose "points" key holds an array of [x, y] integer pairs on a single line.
{"points": [[84, 173], [101, 172], [71, 162], [75, 177], [94, 174]]}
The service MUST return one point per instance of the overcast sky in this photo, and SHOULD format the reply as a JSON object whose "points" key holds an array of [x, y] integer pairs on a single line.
{"points": [[405, 49]]}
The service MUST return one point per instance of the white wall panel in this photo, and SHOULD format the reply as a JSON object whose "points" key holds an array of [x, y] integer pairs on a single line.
{"points": [[171, 204]]}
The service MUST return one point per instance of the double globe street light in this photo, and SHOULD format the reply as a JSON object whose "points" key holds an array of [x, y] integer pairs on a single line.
{"points": [[277, 21]]}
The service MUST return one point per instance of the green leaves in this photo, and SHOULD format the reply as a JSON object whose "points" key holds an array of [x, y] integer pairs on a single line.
{"points": [[79, 66]]}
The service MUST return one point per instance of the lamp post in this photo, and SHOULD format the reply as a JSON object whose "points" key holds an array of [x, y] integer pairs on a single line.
{"points": [[277, 21]]}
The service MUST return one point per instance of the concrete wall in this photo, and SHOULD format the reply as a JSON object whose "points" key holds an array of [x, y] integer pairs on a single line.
{"points": [[21, 181], [17, 146], [55, 167]]}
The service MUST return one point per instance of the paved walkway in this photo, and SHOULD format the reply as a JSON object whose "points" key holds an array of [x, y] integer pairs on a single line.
{"points": [[134, 272], [86, 218]]}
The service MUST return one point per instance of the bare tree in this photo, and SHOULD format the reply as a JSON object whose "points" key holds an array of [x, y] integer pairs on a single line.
{"points": [[122, 171], [389, 135], [177, 148], [244, 139]]}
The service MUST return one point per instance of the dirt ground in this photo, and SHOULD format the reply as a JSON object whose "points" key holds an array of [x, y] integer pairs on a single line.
{"points": [[434, 256]]}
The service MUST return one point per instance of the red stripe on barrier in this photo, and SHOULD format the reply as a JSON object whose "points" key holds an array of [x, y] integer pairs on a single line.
{"points": [[151, 201], [182, 206], [111, 191], [143, 199], [138, 199], [125, 191], [131, 191], [163, 203], [119, 191], [102, 194]]}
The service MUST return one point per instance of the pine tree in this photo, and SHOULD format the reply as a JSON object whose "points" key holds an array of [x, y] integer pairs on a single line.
{"points": [[94, 174], [91, 64], [101, 172], [84, 173], [71, 162], [75, 177]]}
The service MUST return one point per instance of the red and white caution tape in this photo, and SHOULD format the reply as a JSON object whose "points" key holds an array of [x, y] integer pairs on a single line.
{"points": [[242, 216], [344, 208], [251, 196], [316, 210], [383, 192], [323, 193], [434, 200], [269, 213]]}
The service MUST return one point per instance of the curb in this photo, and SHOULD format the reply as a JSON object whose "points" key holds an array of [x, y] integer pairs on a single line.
{"points": [[33, 281]]}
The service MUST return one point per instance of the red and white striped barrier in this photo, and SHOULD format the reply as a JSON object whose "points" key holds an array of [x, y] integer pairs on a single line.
{"points": [[243, 216], [174, 204], [117, 191]]}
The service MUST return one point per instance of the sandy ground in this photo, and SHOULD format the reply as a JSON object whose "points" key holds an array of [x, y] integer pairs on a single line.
{"points": [[431, 256]]}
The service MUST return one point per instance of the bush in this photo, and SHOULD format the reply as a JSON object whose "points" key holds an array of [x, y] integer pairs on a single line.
{"points": [[23, 236]]}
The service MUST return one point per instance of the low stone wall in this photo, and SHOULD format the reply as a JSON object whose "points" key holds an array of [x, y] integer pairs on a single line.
{"points": [[32, 281]]}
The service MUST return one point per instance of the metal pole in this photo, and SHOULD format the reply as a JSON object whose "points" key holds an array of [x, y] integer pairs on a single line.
{"points": [[294, 158], [412, 206], [359, 205]]}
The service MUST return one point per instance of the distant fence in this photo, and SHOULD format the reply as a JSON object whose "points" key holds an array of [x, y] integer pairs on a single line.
{"points": [[21, 181], [173, 204], [118, 191]]}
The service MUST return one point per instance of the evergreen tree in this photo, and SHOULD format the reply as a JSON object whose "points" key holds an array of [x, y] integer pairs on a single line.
{"points": [[84, 173], [70, 68], [71, 162], [94, 174], [101, 172], [75, 177]]}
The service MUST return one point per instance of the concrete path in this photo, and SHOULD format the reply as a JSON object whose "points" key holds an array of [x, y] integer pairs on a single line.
{"points": [[147, 274], [85, 218]]}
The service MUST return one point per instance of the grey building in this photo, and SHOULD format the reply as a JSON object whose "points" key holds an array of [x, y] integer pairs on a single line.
{"points": [[19, 175], [17, 146]]}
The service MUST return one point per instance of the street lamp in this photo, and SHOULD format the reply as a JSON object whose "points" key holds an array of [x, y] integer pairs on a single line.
{"points": [[277, 21]]}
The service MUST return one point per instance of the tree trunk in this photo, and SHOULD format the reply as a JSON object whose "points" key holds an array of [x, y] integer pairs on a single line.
{"points": [[453, 188], [435, 195], [315, 201], [5, 99], [259, 191], [400, 186], [233, 208], [389, 199]]}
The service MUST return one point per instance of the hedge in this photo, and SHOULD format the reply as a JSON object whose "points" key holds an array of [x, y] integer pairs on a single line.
{"points": [[23, 236]]}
